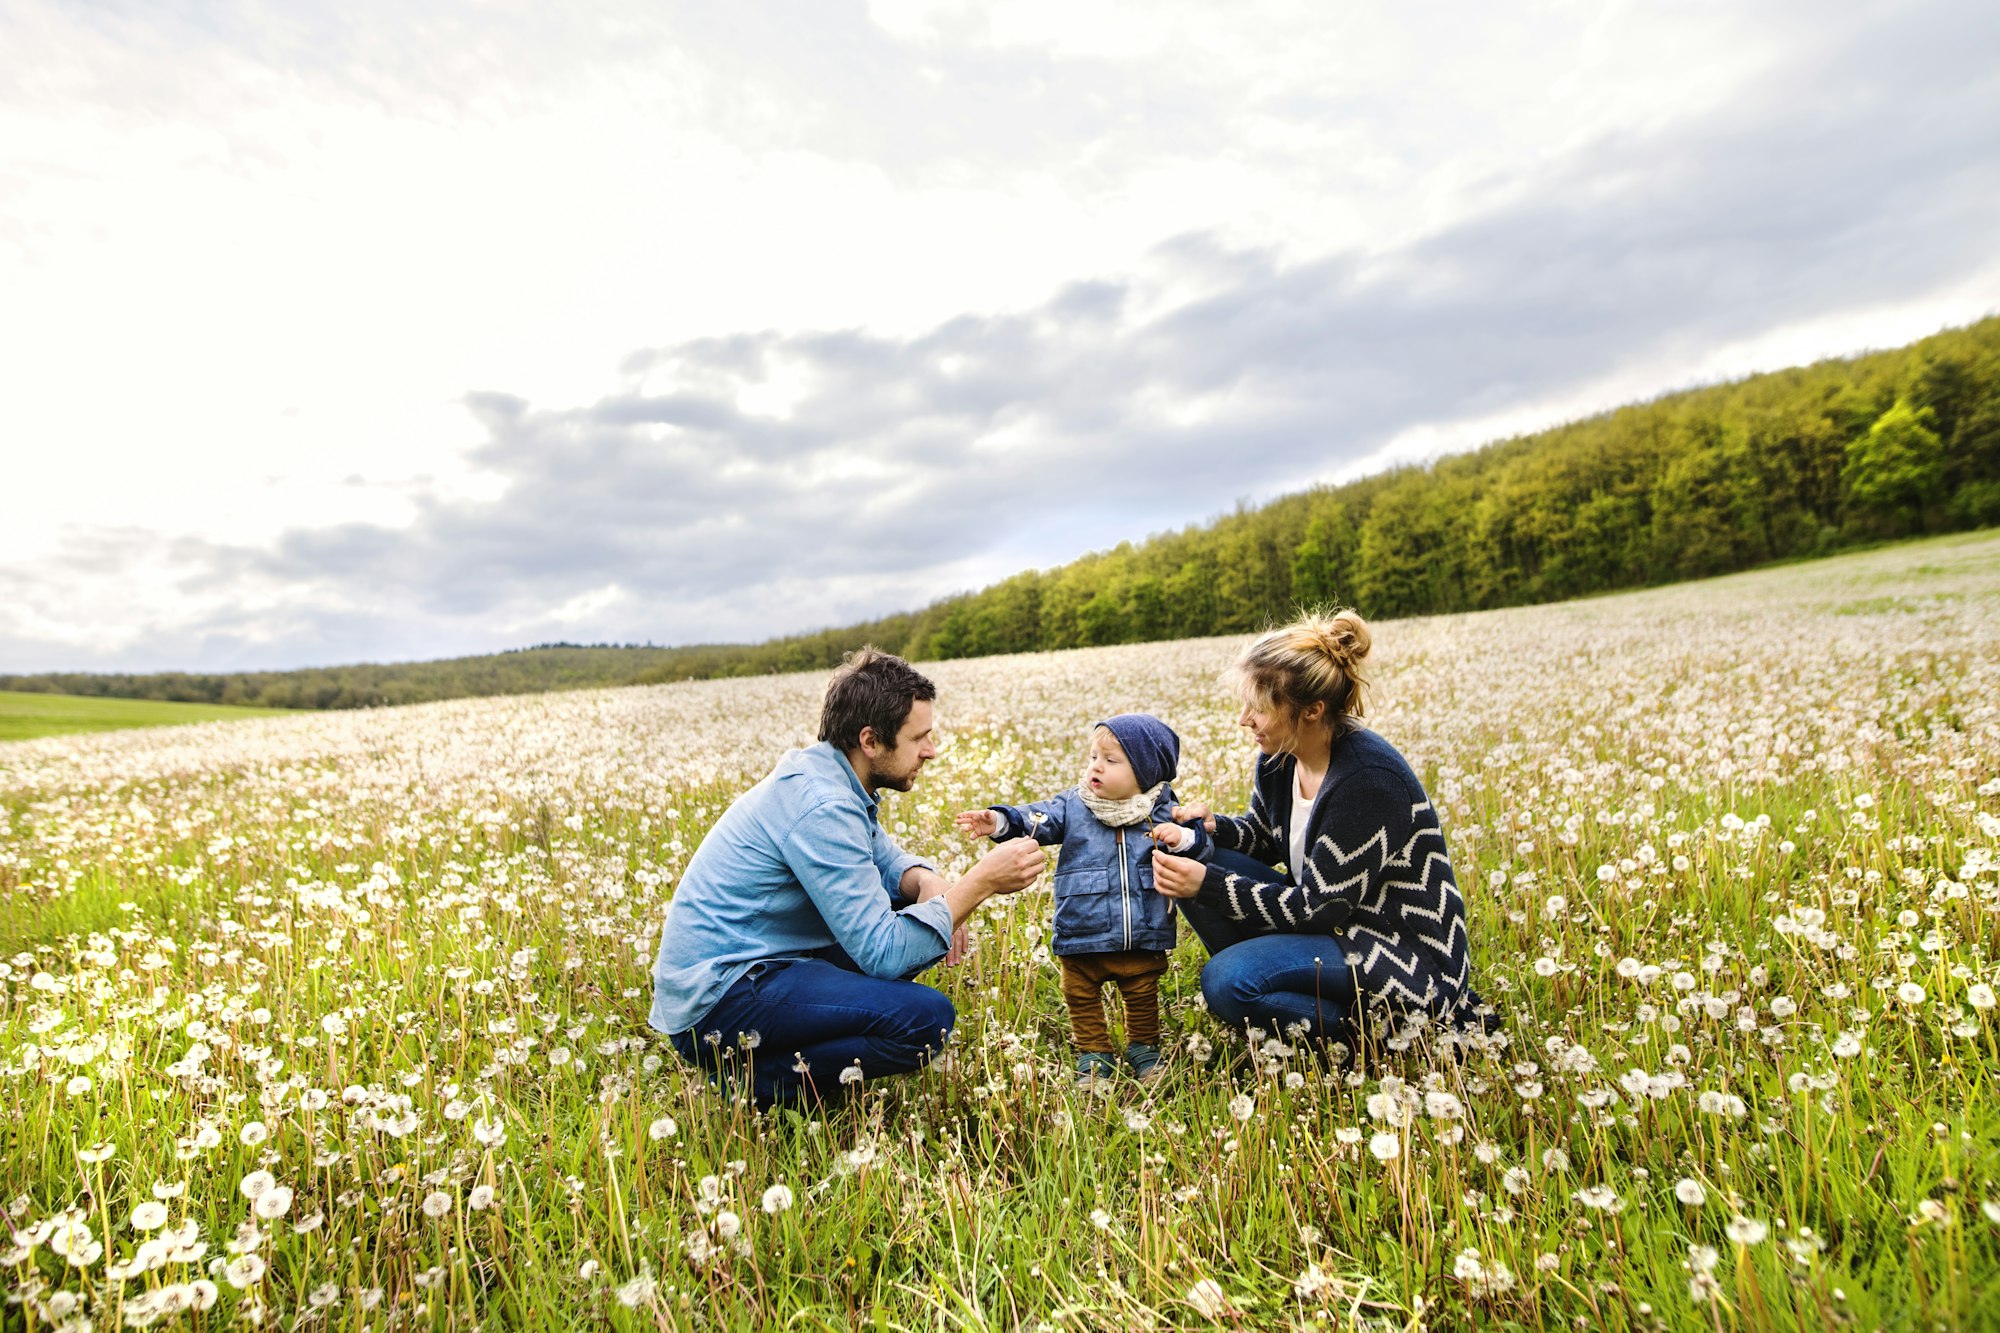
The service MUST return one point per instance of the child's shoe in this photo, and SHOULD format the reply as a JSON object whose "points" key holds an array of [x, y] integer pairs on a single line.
{"points": [[1145, 1061], [1094, 1065]]}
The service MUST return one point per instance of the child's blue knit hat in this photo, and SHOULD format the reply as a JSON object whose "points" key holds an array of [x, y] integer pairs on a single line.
{"points": [[1150, 746]]}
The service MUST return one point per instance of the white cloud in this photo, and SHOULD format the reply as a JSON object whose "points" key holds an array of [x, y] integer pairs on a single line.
{"points": [[254, 266]]}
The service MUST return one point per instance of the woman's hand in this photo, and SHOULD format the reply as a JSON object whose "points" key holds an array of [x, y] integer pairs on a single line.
{"points": [[1187, 813], [1177, 876], [978, 823]]}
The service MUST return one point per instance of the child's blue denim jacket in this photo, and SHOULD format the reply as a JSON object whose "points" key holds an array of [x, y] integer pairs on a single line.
{"points": [[1105, 901]]}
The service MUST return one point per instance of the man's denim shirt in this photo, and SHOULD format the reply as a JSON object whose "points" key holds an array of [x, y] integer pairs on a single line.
{"points": [[795, 864]]}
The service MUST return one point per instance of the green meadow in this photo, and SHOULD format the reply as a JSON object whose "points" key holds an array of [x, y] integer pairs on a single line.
{"points": [[341, 1024], [26, 716]]}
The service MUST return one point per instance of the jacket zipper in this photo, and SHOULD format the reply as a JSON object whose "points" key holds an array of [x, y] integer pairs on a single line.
{"points": [[1124, 889]]}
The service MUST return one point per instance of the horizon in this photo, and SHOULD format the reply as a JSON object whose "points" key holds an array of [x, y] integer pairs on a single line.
{"points": [[1200, 524], [343, 339]]}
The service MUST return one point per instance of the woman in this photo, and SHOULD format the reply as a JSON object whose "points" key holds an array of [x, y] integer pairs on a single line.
{"points": [[1368, 915]]}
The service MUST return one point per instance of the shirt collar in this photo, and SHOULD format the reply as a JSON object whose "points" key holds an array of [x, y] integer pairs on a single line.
{"points": [[834, 759]]}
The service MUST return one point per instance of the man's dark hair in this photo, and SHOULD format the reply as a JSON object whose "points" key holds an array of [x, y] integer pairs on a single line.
{"points": [[870, 689]]}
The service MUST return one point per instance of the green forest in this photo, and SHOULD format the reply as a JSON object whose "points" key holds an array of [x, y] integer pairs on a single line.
{"points": [[557, 666], [1781, 466]]}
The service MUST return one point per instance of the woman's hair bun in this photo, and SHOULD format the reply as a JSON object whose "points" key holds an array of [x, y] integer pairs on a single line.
{"points": [[1315, 659], [1343, 636]]}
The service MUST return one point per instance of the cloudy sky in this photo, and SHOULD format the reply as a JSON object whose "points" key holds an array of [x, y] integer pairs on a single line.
{"points": [[399, 330]]}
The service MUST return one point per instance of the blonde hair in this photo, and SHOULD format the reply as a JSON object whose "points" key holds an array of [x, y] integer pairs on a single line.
{"points": [[1315, 659]]}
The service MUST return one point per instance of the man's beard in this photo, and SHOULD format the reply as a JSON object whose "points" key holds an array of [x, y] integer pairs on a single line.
{"points": [[899, 781]]}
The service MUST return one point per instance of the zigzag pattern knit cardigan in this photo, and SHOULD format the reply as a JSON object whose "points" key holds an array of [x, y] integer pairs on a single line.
{"points": [[1377, 875]]}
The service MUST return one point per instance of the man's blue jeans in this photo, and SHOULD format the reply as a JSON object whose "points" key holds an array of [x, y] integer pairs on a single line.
{"points": [[815, 1018], [1272, 980]]}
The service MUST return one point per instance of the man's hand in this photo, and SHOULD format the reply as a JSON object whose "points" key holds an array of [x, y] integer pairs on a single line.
{"points": [[1177, 876], [978, 823], [1186, 813], [922, 883], [1008, 868], [1011, 866]]}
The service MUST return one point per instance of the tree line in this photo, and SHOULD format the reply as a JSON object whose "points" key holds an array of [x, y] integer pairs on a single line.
{"points": [[1792, 464], [368, 685]]}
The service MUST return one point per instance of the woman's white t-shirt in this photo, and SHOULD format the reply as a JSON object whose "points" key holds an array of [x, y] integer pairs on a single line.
{"points": [[1302, 805]]}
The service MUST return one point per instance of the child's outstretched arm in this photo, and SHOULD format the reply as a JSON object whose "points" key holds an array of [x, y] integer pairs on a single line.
{"points": [[980, 823], [1044, 821]]}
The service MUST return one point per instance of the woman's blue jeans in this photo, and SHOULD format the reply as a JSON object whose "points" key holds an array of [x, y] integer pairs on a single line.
{"points": [[1257, 977], [815, 1018]]}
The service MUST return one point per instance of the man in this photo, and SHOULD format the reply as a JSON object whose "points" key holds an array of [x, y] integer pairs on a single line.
{"points": [[790, 940]]}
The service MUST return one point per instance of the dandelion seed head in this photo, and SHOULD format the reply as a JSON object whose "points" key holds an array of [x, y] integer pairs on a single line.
{"points": [[1747, 1231], [1207, 1298]]}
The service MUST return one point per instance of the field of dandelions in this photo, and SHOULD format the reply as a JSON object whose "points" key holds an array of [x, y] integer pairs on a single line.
{"points": [[338, 1021]]}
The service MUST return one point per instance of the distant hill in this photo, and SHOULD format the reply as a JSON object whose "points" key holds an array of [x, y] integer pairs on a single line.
{"points": [[1795, 463], [555, 666]]}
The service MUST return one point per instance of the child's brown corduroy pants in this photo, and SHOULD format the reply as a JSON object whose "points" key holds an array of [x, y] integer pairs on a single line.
{"points": [[1136, 973]]}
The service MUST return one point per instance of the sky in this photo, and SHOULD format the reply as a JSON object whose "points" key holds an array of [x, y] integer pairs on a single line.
{"points": [[390, 331]]}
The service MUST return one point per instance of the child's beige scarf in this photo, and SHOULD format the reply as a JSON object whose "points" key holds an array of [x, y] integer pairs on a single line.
{"points": [[1121, 814]]}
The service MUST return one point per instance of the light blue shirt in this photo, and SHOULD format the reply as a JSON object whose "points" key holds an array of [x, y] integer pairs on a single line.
{"points": [[795, 864]]}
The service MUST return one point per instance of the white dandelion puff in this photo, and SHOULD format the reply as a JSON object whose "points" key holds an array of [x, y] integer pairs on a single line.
{"points": [[1747, 1230], [1207, 1298]]}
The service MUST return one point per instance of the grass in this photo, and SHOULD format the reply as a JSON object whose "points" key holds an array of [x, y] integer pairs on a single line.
{"points": [[1731, 855], [26, 716]]}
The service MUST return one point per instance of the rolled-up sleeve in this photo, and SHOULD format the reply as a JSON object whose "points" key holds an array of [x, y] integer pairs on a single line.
{"points": [[840, 860]]}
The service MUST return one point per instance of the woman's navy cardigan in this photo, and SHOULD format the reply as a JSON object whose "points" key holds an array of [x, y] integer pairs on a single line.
{"points": [[1377, 876]]}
